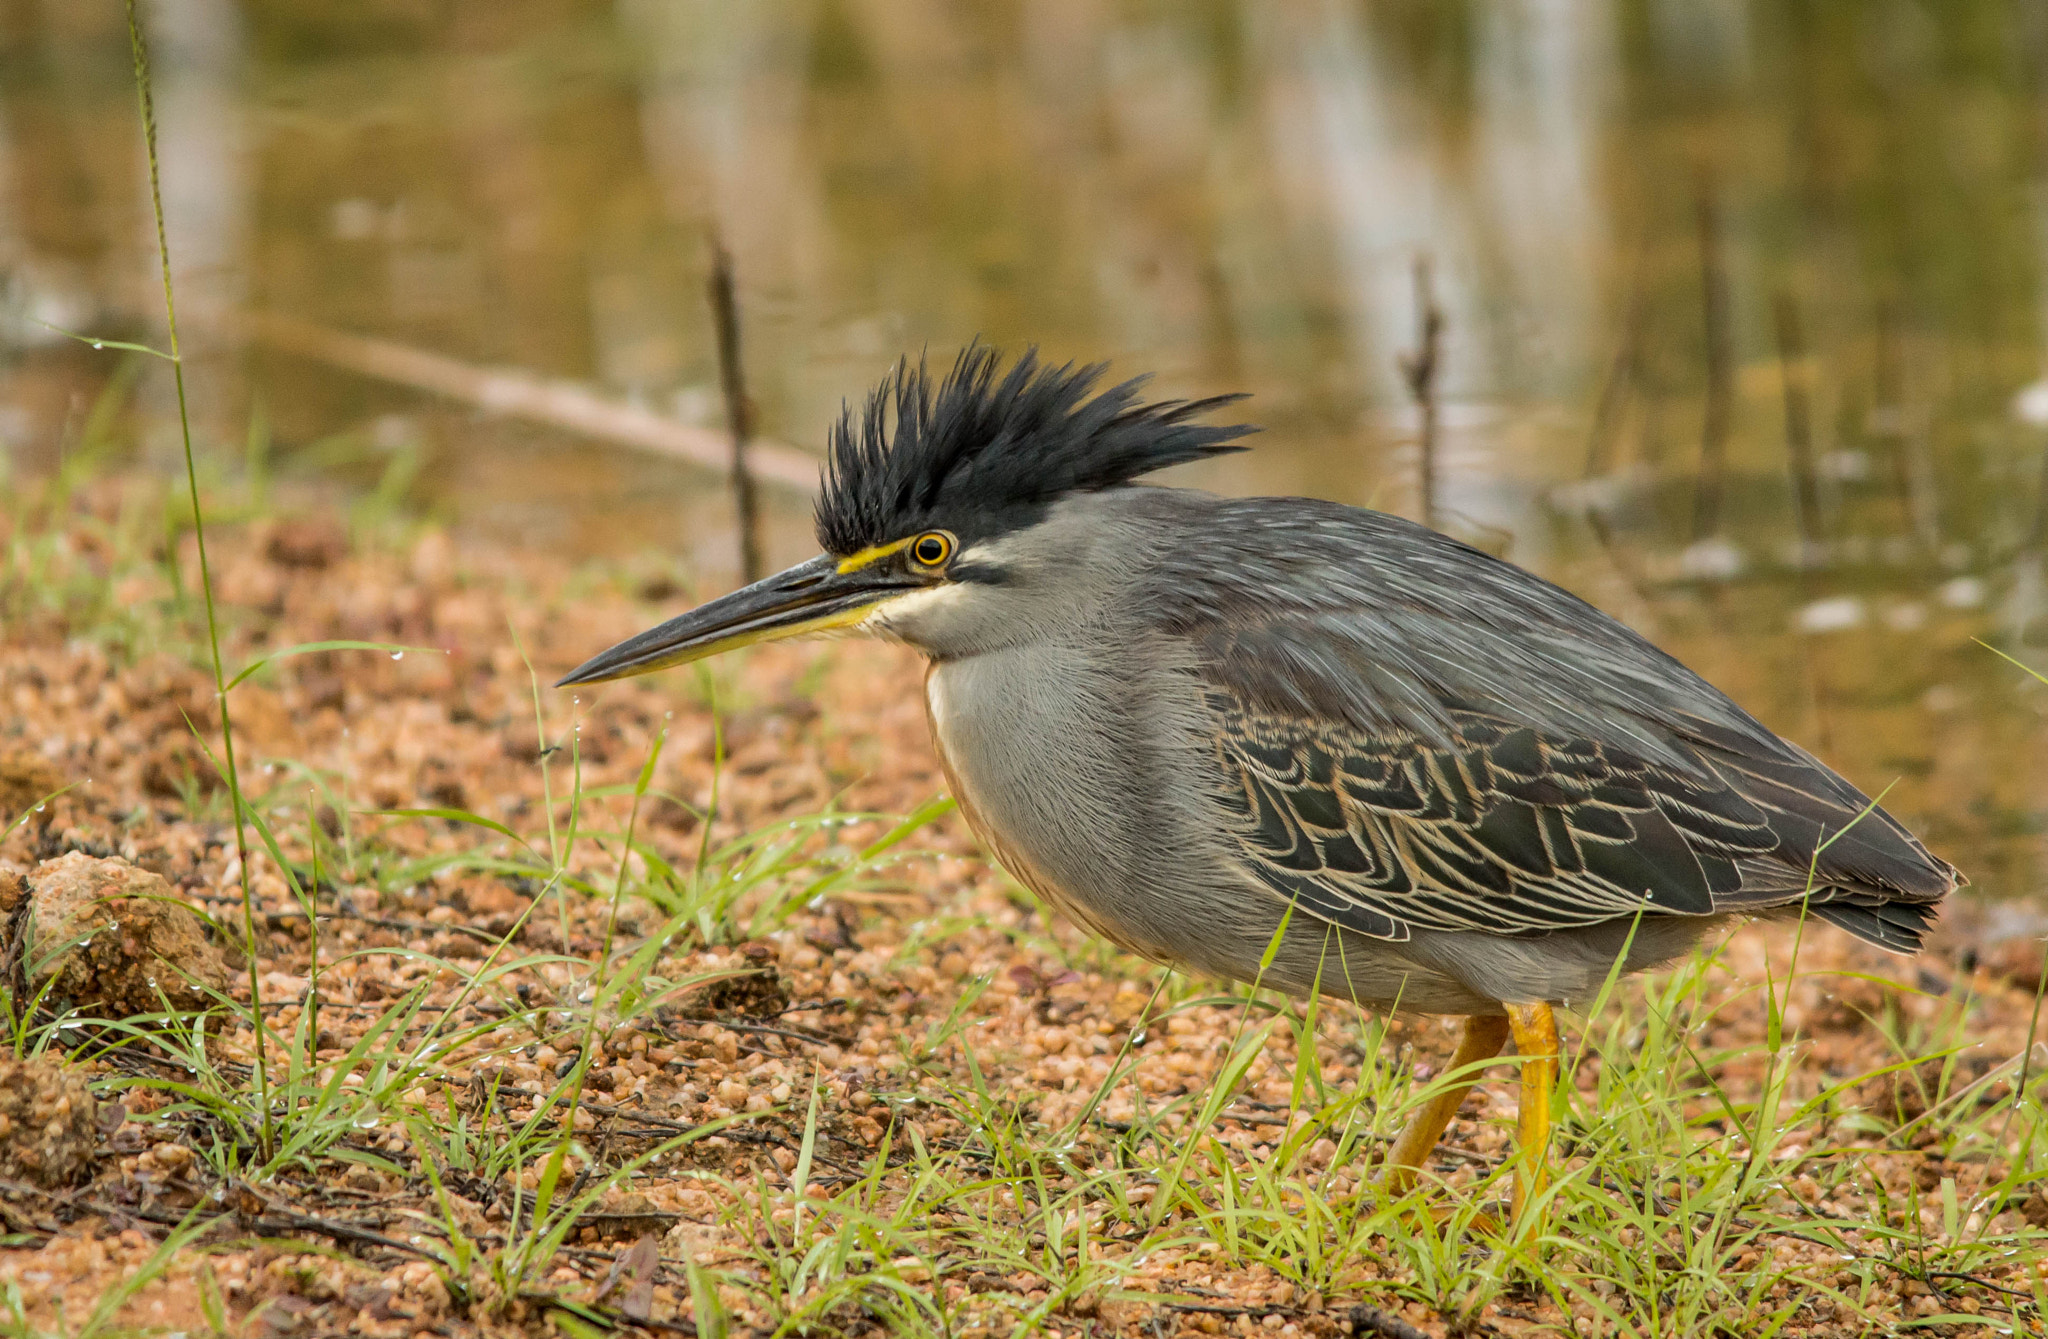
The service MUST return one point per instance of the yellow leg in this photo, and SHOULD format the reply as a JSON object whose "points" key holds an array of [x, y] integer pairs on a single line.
{"points": [[1536, 1042], [1482, 1040]]}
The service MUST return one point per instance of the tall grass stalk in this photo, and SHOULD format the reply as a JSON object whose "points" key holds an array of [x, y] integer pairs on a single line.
{"points": [[139, 52]]}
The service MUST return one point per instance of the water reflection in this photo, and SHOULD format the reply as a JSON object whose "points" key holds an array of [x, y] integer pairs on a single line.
{"points": [[1740, 297]]}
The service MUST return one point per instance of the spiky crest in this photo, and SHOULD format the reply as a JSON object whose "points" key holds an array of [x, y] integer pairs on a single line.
{"points": [[979, 455]]}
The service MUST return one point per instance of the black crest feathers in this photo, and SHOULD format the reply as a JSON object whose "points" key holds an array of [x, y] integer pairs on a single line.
{"points": [[978, 454]]}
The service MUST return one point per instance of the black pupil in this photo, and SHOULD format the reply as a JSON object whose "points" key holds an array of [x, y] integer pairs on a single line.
{"points": [[930, 549]]}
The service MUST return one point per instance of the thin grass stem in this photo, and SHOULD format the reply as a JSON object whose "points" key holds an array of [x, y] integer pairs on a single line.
{"points": [[139, 52]]}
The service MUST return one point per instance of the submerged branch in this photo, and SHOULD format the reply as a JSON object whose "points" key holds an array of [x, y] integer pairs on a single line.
{"points": [[522, 395]]}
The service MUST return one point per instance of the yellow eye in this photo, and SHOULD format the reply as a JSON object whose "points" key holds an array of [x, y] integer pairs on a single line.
{"points": [[932, 549]]}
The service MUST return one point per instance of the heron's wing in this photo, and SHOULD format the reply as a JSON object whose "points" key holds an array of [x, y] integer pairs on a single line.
{"points": [[1506, 829], [1413, 733]]}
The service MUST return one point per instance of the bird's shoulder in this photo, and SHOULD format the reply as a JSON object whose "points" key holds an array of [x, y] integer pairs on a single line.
{"points": [[1324, 612]]}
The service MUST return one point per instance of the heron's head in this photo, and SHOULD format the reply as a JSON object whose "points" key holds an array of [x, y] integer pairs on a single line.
{"points": [[949, 511]]}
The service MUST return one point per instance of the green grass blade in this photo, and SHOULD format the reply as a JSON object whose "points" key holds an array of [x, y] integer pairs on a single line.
{"points": [[309, 648]]}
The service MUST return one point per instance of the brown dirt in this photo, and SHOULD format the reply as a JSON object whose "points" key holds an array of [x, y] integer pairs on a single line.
{"points": [[837, 994]]}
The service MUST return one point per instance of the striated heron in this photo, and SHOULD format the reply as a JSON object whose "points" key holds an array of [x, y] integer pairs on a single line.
{"points": [[1211, 729]]}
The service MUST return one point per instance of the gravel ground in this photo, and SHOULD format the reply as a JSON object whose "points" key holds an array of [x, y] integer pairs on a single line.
{"points": [[808, 1053]]}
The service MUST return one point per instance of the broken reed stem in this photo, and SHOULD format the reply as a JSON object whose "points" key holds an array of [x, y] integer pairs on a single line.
{"points": [[2037, 536], [1887, 413], [1720, 365], [1621, 379], [1792, 369], [739, 410], [1419, 370], [139, 53], [1893, 420]]}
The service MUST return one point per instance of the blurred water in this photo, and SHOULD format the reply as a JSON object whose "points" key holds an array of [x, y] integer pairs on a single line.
{"points": [[1231, 196]]}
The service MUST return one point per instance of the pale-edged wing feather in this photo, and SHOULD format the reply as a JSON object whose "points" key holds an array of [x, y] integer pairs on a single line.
{"points": [[1510, 831], [1410, 734]]}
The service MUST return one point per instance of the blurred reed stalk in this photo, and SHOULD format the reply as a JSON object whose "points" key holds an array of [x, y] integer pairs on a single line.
{"points": [[2037, 534], [1419, 370], [739, 410], [139, 53], [1893, 421], [1797, 377], [1720, 364], [1622, 375]]}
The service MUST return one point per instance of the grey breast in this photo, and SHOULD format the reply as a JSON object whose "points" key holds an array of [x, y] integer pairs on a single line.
{"points": [[1099, 790], [1067, 760]]}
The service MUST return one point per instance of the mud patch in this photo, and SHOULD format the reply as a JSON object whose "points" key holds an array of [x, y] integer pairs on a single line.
{"points": [[757, 994], [312, 543], [48, 1125], [111, 941], [26, 780]]}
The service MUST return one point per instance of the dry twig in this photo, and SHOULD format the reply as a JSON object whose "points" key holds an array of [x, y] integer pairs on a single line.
{"points": [[1419, 370], [739, 409]]}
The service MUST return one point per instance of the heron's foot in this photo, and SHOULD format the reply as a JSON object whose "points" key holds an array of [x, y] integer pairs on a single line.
{"points": [[1489, 1222]]}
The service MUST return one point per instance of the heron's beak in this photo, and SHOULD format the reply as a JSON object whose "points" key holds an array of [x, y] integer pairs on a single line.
{"points": [[814, 596]]}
